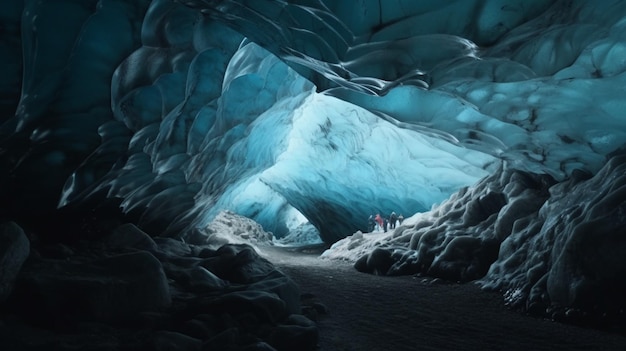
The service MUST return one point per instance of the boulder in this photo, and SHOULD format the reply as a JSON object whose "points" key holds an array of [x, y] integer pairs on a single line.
{"points": [[238, 263], [169, 247], [14, 249], [105, 290], [172, 341], [266, 307], [129, 236]]}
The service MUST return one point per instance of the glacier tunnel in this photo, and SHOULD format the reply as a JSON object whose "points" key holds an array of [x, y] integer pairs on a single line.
{"points": [[496, 127]]}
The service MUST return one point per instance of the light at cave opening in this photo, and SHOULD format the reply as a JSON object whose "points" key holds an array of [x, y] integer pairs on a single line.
{"points": [[275, 143]]}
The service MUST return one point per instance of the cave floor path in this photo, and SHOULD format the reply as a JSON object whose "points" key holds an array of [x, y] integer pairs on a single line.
{"points": [[369, 312]]}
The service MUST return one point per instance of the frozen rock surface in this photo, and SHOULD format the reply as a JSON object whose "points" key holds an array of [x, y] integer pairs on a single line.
{"points": [[14, 249], [228, 227], [103, 290], [159, 294]]}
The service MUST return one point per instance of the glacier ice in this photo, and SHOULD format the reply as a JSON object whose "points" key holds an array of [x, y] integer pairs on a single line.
{"points": [[323, 112]]}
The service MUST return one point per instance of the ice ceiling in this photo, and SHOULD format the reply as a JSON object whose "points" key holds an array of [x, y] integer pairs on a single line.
{"points": [[284, 110]]}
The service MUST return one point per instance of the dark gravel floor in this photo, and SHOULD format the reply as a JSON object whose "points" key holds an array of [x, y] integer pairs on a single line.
{"points": [[368, 312]]}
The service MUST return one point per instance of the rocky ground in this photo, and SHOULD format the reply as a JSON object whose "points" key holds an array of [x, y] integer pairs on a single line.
{"points": [[128, 291], [369, 312]]}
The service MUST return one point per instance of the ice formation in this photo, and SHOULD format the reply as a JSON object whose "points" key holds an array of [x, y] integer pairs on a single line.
{"points": [[325, 112]]}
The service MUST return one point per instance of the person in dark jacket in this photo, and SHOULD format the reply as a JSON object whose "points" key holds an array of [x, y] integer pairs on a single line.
{"points": [[392, 220]]}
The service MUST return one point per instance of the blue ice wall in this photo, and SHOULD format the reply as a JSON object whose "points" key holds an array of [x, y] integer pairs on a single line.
{"points": [[333, 109]]}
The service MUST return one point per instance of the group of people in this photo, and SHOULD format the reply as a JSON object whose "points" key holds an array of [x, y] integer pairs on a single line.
{"points": [[379, 223]]}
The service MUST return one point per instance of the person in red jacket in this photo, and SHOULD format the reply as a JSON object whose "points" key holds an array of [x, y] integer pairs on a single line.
{"points": [[379, 220]]}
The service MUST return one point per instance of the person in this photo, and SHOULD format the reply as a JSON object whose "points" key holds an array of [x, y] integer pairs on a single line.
{"points": [[400, 218], [386, 224], [379, 221], [371, 224], [392, 220]]}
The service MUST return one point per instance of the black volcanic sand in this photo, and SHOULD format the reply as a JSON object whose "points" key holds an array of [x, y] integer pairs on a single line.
{"points": [[368, 312]]}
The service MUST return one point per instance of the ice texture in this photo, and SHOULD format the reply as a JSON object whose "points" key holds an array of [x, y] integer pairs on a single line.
{"points": [[324, 112]]}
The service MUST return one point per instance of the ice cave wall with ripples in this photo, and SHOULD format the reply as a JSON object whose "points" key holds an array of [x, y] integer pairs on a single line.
{"points": [[326, 112]]}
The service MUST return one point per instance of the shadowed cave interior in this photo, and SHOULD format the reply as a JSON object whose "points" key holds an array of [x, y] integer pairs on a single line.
{"points": [[147, 147]]}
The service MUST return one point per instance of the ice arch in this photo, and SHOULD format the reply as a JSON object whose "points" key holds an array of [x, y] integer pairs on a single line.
{"points": [[202, 120]]}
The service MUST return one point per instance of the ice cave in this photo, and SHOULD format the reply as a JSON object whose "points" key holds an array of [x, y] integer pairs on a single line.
{"points": [[150, 149]]}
